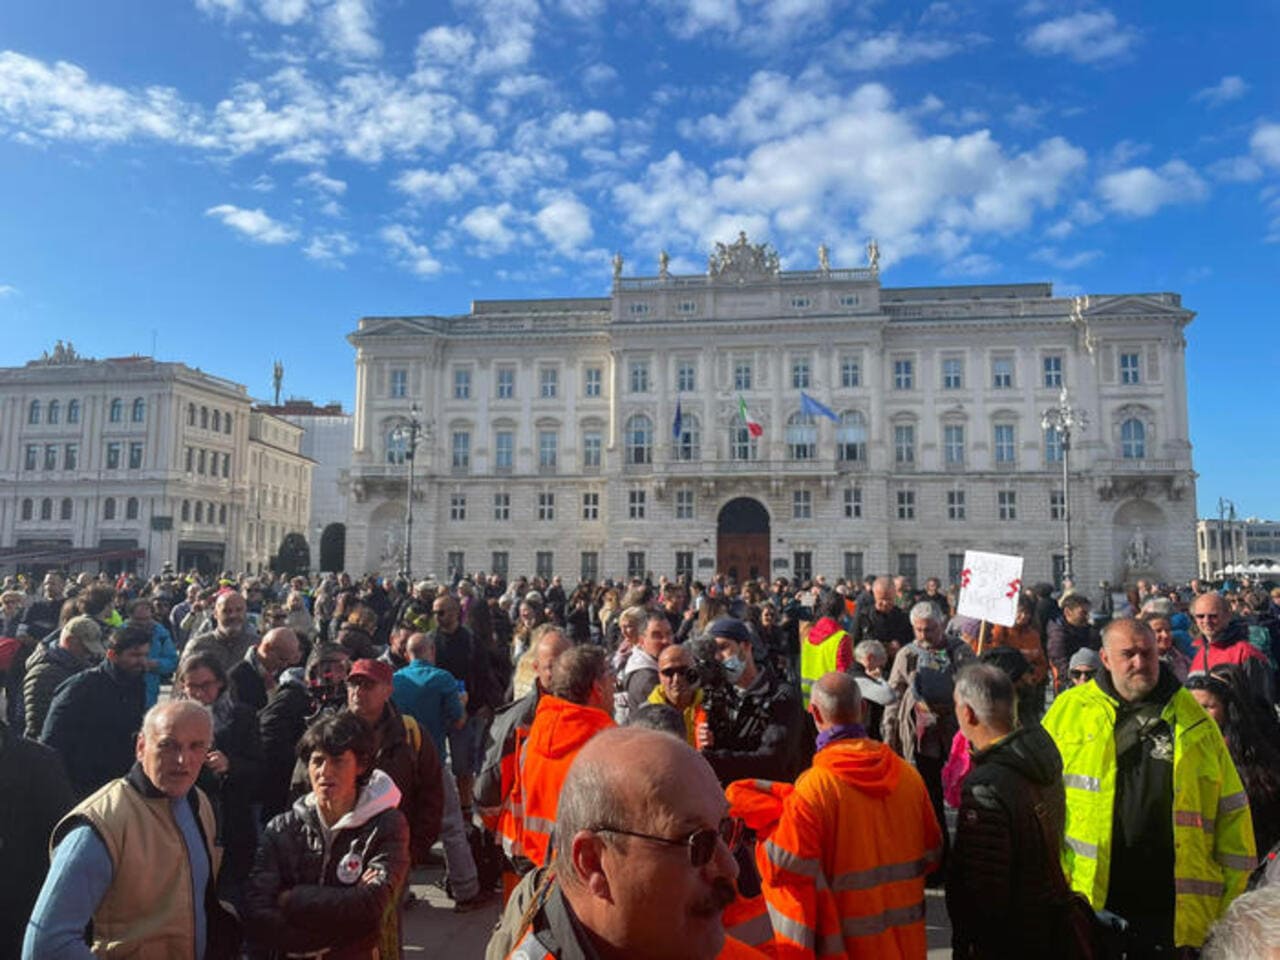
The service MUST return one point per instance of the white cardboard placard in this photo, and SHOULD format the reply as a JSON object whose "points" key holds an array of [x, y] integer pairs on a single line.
{"points": [[989, 587]]}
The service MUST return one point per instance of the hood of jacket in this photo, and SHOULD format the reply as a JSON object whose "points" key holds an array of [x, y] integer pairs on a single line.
{"points": [[560, 728], [822, 630], [866, 764], [377, 796], [1029, 751], [639, 660], [294, 677]]}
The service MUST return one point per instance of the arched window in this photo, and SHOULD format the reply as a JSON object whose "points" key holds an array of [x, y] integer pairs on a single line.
{"points": [[742, 445], [689, 445], [46, 508], [208, 512], [109, 508], [55, 411], [222, 514], [802, 437], [186, 510], [851, 437], [217, 421], [33, 412], [73, 411], [131, 508], [191, 414], [639, 439], [199, 511], [115, 412], [27, 508], [65, 512], [139, 412], [397, 445], [204, 418], [1133, 439], [226, 423]]}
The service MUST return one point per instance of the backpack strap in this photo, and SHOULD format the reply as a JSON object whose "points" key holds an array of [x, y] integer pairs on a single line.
{"points": [[413, 731]]}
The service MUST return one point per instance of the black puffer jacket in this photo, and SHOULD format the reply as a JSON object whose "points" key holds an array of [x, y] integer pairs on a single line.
{"points": [[1005, 892], [47, 667], [93, 723], [330, 906]]}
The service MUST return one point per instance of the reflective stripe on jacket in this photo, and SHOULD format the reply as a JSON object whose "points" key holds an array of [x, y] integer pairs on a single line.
{"points": [[843, 873], [1212, 829], [817, 659]]}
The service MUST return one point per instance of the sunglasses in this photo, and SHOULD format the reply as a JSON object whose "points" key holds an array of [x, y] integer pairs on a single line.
{"points": [[1082, 674], [701, 843], [690, 675]]}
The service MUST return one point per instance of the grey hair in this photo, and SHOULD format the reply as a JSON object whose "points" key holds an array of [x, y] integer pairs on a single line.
{"points": [[989, 693], [1126, 625], [838, 697], [871, 650], [1157, 607], [633, 617], [177, 710], [1249, 930], [925, 610]]}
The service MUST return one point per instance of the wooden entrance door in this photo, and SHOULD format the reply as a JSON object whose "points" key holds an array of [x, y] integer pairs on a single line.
{"points": [[742, 539]]}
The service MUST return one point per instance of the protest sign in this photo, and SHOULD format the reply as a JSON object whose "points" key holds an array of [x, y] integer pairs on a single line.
{"points": [[989, 587]]}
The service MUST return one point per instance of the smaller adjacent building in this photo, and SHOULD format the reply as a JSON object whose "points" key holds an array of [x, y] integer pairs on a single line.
{"points": [[1236, 544], [279, 488]]}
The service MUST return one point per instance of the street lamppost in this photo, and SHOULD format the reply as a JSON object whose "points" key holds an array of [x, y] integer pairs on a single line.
{"points": [[1226, 511], [407, 435], [1063, 420]]}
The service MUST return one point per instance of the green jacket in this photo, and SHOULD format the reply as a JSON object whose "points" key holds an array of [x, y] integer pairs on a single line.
{"points": [[1212, 829]]}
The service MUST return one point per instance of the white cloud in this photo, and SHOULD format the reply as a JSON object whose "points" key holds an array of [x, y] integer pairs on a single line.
{"points": [[1086, 37], [598, 77], [1265, 144], [447, 185], [749, 23], [262, 184], [254, 224], [488, 225], [1229, 88], [445, 45], [1065, 261], [1024, 116], [1141, 191], [1236, 169], [225, 8], [349, 28], [330, 247], [413, 256], [565, 221], [324, 184], [7, 290], [892, 49], [284, 12]]}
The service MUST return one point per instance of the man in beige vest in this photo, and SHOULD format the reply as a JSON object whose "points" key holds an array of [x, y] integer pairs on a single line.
{"points": [[152, 895]]}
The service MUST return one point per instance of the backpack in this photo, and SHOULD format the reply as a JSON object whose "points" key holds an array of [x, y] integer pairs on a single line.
{"points": [[413, 731]]}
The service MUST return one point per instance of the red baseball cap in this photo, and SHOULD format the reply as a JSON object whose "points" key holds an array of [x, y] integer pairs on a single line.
{"points": [[375, 670]]}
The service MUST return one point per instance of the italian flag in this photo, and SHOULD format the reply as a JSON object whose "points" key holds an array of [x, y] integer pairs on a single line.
{"points": [[753, 425]]}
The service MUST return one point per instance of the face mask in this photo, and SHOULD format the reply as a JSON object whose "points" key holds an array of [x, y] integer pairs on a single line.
{"points": [[733, 667]]}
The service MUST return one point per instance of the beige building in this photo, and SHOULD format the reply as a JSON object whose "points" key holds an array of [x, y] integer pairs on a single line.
{"points": [[279, 489], [553, 442], [1237, 544]]}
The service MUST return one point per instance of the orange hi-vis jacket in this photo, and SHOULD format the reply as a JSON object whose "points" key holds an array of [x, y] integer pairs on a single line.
{"points": [[843, 872], [560, 729], [758, 804], [508, 824]]}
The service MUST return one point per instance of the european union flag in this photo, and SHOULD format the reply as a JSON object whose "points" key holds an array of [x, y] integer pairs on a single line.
{"points": [[814, 408]]}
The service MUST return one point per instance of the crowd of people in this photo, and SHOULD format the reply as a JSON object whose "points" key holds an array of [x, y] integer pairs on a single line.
{"points": [[252, 766]]}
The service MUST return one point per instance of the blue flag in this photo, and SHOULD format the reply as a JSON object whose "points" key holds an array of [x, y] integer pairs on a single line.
{"points": [[814, 408], [677, 424]]}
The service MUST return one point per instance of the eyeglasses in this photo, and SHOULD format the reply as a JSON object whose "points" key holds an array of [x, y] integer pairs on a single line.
{"points": [[701, 843], [689, 673], [1082, 674], [1206, 616]]}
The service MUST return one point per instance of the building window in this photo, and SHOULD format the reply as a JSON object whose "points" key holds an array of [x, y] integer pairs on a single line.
{"points": [[638, 309], [952, 373], [399, 384], [907, 566], [592, 449], [27, 508], [456, 563], [1006, 451], [548, 449], [32, 459], [904, 376], [461, 450], [226, 464], [54, 411], [217, 421], [851, 437], [139, 411], [457, 506], [687, 306], [1052, 445], [635, 504], [904, 443], [1002, 373], [801, 375], [222, 514], [1052, 368], [73, 411], [186, 510], [684, 565], [684, 504], [635, 563], [1129, 373], [638, 374], [71, 456], [848, 300], [108, 508], [499, 562], [1133, 439], [546, 505], [502, 506], [51, 456], [955, 567], [131, 508], [592, 381], [33, 412], [589, 565], [689, 443], [548, 383], [462, 384], [801, 303], [115, 412], [853, 565], [544, 564], [850, 372], [1059, 570], [504, 445], [113, 456], [506, 383], [200, 462], [226, 423], [802, 565], [638, 436], [853, 503], [135, 456], [591, 505], [742, 375], [397, 447], [65, 511], [46, 509], [953, 444], [906, 504], [191, 414], [686, 377], [801, 505], [1057, 505], [204, 418], [955, 505], [802, 437], [742, 446], [1007, 504]]}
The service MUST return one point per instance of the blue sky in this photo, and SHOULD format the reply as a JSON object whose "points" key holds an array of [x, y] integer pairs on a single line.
{"points": [[240, 180]]}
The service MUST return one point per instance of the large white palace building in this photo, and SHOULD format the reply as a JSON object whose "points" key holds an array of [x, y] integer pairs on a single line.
{"points": [[606, 436]]}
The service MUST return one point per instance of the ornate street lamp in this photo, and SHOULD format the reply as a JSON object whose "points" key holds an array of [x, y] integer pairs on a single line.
{"points": [[1063, 420], [407, 435]]}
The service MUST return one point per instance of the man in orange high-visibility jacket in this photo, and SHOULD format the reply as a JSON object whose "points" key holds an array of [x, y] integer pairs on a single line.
{"points": [[579, 707], [843, 873]]}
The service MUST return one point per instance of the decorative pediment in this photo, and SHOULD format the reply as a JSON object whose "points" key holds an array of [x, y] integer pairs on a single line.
{"points": [[743, 261], [381, 327], [1103, 308]]}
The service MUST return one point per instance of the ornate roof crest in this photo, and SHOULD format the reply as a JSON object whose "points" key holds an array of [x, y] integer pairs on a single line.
{"points": [[742, 261]]}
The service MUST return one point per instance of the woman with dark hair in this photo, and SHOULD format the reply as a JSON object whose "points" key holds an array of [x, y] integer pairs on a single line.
{"points": [[329, 872], [232, 772], [578, 614], [1256, 755]]}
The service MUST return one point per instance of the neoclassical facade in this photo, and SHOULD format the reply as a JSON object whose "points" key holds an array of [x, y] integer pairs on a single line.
{"points": [[606, 436]]}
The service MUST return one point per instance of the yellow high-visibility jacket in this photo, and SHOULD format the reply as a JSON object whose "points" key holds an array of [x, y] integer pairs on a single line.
{"points": [[1212, 829]]}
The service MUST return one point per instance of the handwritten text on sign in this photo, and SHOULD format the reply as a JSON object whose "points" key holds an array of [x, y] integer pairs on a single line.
{"points": [[989, 586]]}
